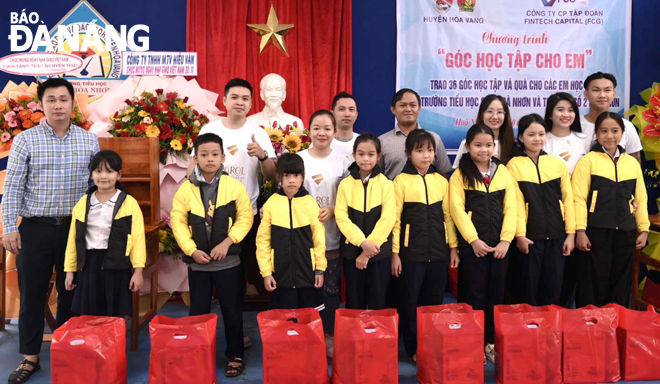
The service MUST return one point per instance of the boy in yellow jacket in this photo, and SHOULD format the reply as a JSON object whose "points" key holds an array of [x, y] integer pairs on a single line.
{"points": [[291, 241], [210, 216]]}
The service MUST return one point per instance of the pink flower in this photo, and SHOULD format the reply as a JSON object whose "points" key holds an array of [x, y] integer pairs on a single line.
{"points": [[5, 137], [34, 106], [295, 124], [43, 120], [10, 116]]}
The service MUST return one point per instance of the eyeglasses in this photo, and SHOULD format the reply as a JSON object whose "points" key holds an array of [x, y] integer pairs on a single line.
{"points": [[498, 113]]}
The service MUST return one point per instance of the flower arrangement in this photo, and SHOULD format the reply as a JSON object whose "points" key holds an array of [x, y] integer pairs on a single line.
{"points": [[287, 139], [24, 112], [163, 115], [167, 243], [647, 120]]}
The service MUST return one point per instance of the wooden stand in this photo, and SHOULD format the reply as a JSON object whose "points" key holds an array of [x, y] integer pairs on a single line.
{"points": [[140, 176], [637, 302]]}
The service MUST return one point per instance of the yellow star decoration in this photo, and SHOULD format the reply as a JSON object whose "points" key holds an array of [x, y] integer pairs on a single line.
{"points": [[272, 31]]}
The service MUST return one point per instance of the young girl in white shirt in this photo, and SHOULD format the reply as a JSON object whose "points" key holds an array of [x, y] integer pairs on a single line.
{"points": [[106, 250]]}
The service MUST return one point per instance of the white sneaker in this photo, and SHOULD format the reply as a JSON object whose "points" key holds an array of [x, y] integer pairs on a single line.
{"points": [[329, 345], [490, 353]]}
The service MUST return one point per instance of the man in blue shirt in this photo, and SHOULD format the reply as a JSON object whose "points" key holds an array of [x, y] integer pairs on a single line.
{"points": [[47, 173]]}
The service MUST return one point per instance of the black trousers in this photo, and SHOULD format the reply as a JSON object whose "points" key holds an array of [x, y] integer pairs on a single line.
{"points": [[484, 283], [295, 298], [42, 248], [421, 284], [228, 287], [249, 266], [331, 293], [570, 280], [542, 272], [365, 288], [606, 270]]}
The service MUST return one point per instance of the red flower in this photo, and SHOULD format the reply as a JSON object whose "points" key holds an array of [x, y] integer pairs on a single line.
{"points": [[168, 102], [161, 107], [171, 95], [182, 139], [86, 125], [117, 125], [116, 114], [140, 128], [125, 134], [185, 99], [159, 91], [176, 121], [274, 124], [305, 139], [295, 124], [195, 112], [171, 114], [193, 137], [128, 102], [189, 129], [184, 117], [153, 99], [162, 152]]}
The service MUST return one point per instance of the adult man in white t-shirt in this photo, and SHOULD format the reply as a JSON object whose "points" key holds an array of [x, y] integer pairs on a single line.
{"points": [[344, 107], [600, 91], [247, 148]]}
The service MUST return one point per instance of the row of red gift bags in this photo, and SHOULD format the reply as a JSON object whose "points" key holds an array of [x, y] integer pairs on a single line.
{"points": [[586, 345], [91, 349], [365, 351]]}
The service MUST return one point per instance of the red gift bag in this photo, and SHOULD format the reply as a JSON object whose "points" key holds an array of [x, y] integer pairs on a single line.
{"points": [[453, 280], [294, 346], [366, 347], [591, 354], [89, 349], [528, 344], [182, 350], [638, 337], [450, 341]]}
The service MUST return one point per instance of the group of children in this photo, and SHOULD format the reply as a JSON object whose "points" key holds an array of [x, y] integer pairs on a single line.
{"points": [[329, 211]]}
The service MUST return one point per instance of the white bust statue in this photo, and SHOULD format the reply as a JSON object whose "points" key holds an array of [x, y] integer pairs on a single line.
{"points": [[273, 93]]}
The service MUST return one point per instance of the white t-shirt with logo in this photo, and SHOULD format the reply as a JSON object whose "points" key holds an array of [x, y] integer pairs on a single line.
{"points": [[322, 178], [345, 148], [238, 164], [570, 149], [630, 140]]}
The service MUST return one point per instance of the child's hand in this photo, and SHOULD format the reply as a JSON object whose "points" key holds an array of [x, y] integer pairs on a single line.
{"points": [[641, 240], [270, 283], [454, 259], [501, 249], [318, 281], [261, 212], [326, 214], [480, 248], [569, 244], [201, 257], [220, 250], [370, 248], [396, 265], [583, 242], [523, 244], [136, 280], [362, 261], [68, 282]]}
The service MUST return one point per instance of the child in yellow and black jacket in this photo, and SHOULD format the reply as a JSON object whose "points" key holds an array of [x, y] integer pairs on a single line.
{"points": [[106, 241], [545, 231], [365, 212], [211, 214], [291, 241], [611, 216], [424, 237], [483, 207]]}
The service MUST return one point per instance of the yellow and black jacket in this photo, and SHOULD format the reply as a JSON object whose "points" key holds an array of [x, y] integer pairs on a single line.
{"points": [[126, 244], [604, 192], [484, 213], [365, 213], [232, 217], [545, 197], [291, 240], [424, 230]]}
